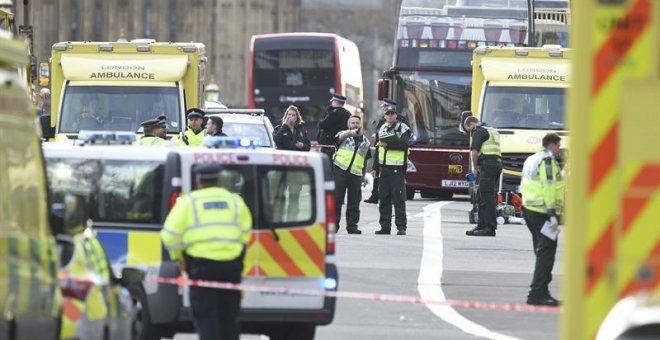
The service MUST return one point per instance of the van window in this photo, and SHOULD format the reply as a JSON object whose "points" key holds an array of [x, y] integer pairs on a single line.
{"points": [[287, 196], [239, 180], [123, 191], [130, 191]]}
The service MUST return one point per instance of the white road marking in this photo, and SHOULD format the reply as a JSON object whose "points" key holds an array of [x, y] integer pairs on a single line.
{"points": [[429, 282]]}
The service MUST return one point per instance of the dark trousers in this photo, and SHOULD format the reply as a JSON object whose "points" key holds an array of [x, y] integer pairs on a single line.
{"points": [[345, 182], [392, 189], [489, 178], [374, 189], [545, 250], [215, 311]]}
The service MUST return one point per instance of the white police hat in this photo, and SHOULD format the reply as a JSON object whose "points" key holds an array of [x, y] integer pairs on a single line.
{"points": [[338, 97]]}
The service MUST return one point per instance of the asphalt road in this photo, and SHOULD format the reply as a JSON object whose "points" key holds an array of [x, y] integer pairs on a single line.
{"points": [[435, 260]]}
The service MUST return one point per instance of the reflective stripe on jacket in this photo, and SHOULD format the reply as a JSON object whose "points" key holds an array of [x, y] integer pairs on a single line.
{"points": [[210, 223], [491, 147], [390, 156], [542, 185], [350, 156]]}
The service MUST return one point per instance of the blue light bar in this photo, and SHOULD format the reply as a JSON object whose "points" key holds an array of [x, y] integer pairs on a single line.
{"points": [[106, 137], [232, 143]]}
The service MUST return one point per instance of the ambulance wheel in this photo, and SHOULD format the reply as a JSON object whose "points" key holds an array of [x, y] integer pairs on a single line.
{"points": [[298, 331], [410, 194], [142, 328]]}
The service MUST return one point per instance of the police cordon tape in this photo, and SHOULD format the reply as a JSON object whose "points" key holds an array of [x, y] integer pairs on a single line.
{"points": [[507, 307]]}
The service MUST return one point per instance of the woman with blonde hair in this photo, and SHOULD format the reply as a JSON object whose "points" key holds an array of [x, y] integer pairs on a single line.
{"points": [[291, 135]]}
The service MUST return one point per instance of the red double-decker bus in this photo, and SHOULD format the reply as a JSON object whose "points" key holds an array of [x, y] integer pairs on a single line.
{"points": [[303, 69], [431, 78]]}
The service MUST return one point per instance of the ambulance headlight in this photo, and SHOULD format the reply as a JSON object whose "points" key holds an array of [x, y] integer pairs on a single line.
{"points": [[330, 283]]}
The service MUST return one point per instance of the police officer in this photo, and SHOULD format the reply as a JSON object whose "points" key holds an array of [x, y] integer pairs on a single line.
{"points": [[349, 167], [485, 156], [386, 105], [206, 233], [194, 134], [335, 120], [155, 131], [392, 150], [542, 189]]}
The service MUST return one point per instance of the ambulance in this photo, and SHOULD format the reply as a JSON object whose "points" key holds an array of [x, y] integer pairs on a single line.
{"points": [[292, 243], [30, 296], [117, 85], [521, 91]]}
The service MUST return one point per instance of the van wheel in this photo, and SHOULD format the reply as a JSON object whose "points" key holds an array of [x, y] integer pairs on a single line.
{"points": [[298, 331], [410, 194], [142, 327]]}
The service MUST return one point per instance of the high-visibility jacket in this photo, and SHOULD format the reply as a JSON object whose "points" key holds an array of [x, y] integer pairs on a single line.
{"points": [[490, 147], [151, 141], [542, 185], [192, 138], [211, 223], [350, 155], [389, 156]]}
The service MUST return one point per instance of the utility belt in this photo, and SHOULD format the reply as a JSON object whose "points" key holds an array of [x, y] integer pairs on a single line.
{"points": [[198, 263], [489, 159]]}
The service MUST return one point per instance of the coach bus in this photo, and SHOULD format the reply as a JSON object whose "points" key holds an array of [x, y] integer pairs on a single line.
{"points": [[303, 69], [430, 77]]}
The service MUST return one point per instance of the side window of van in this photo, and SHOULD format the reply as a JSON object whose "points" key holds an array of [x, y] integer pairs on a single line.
{"points": [[238, 179], [76, 176], [287, 196], [129, 191]]}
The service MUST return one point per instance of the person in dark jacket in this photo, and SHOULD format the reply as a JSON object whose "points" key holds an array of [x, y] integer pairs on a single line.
{"points": [[335, 120], [214, 127], [292, 136]]}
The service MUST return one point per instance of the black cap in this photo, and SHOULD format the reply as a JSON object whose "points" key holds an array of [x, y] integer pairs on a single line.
{"points": [[195, 112], [208, 171], [338, 97], [153, 123], [388, 102]]}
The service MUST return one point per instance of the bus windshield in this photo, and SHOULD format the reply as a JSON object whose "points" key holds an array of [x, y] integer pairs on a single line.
{"points": [[524, 107], [432, 102], [118, 108], [294, 68]]}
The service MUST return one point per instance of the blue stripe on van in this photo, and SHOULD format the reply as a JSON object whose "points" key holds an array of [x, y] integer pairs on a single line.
{"points": [[115, 244]]}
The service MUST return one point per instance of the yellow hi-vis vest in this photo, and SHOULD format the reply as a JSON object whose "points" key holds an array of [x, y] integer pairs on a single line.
{"points": [[150, 141], [490, 147], [542, 185], [194, 139], [211, 223], [350, 156], [388, 156]]}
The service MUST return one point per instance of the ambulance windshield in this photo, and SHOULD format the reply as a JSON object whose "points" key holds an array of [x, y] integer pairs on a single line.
{"points": [[117, 108], [524, 107]]}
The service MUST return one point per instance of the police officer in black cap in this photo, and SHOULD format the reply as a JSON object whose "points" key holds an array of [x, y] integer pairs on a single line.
{"points": [[155, 131], [194, 134], [386, 105], [335, 120]]}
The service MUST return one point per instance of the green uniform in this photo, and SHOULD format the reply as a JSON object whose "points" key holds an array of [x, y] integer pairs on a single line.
{"points": [[392, 183], [487, 142], [349, 166], [542, 189], [190, 138]]}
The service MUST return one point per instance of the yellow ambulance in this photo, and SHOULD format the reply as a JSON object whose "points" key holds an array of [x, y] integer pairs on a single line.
{"points": [[117, 85], [30, 298], [521, 91]]}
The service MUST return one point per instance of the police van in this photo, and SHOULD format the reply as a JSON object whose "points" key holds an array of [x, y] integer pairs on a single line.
{"points": [[290, 195]]}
